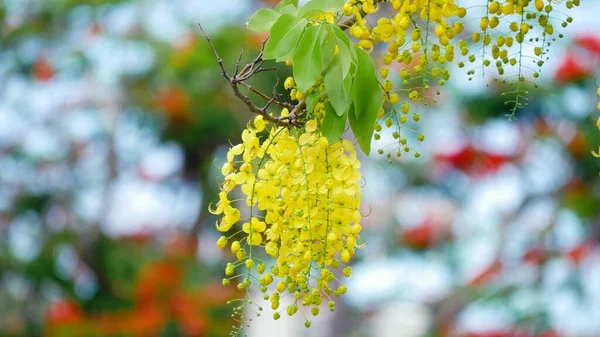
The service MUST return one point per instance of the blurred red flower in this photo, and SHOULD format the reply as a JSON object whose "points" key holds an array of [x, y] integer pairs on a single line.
{"points": [[473, 161], [181, 246], [64, 311], [187, 309], [96, 28], [549, 333], [270, 2], [43, 70], [254, 40], [158, 280], [570, 70], [542, 128], [175, 103], [497, 333], [578, 145], [146, 320], [589, 42], [581, 251], [487, 274], [425, 234], [535, 255], [419, 237]]}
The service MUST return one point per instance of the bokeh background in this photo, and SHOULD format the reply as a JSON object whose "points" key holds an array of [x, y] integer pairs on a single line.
{"points": [[114, 119]]}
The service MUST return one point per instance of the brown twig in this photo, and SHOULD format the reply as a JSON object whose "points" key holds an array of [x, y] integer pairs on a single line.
{"points": [[214, 50], [240, 76], [280, 103]]}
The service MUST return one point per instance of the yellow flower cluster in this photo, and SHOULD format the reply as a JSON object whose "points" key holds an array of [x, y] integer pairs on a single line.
{"points": [[519, 18], [300, 197], [408, 33], [420, 37]]}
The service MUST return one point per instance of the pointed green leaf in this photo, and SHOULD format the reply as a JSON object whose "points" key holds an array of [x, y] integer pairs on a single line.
{"points": [[285, 34], [288, 9], [366, 93], [308, 63], [328, 46], [345, 47], [263, 20], [315, 7], [333, 126], [286, 3], [337, 88], [367, 99], [361, 130], [349, 80]]}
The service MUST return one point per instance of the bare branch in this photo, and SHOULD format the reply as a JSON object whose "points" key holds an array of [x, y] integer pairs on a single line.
{"points": [[239, 77], [297, 112], [282, 104], [219, 59], [237, 65], [275, 94], [265, 69], [253, 108]]}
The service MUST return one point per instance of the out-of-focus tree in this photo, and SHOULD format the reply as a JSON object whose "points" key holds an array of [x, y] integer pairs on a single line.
{"points": [[90, 91]]}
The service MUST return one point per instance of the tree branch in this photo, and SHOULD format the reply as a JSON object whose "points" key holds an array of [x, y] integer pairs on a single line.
{"points": [[282, 104], [219, 59], [240, 76]]}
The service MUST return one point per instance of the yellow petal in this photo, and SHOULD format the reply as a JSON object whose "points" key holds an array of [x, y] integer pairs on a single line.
{"points": [[254, 239], [226, 168], [258, 226], [224, 226], [306, 137], [311, 126]]}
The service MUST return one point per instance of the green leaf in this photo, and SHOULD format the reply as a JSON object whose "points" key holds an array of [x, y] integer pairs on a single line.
{"points": [[328, 48], [348, 81], [263, 20], [312, 98], [366, 93], [284, 37], [346, 47], [315, 7], [288, 9], [333, 125], [286, 3], [367, 100], [361, 132], [308, 63], [337, 87]]}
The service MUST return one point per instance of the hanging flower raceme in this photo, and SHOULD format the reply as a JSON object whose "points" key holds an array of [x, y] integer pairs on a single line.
{"points": [[297, 219], [289, 200]]}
